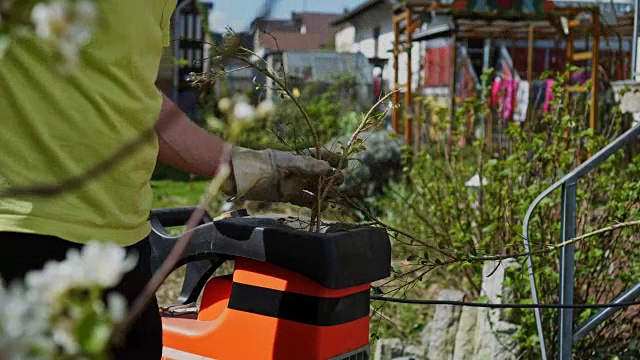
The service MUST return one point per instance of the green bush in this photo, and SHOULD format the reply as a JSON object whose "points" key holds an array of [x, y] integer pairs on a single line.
{"points": [[445, 226], [329, 105]]}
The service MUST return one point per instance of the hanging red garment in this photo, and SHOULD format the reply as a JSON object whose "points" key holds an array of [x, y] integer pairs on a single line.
{"points": [[377, 87]]}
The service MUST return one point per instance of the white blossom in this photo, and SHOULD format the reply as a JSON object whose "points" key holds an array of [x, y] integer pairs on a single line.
{"points": [[23, 324], [50, 19], [35, 315], [225, 105], [63, 337], [86, 10], [65, 25], [105, 264], [117, 306], [244, 112], [96, 264], [265, 109]]}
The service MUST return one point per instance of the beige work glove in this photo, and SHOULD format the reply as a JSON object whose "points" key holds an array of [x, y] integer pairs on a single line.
{"points": [[278, 176]]}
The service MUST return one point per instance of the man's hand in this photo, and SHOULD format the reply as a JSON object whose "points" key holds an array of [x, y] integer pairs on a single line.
{"points": [[277, 176]]}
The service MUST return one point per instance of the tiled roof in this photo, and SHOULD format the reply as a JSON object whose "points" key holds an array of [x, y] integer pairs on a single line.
{"points": [[283, 41], [316, 22], [357, 11], [317, 32]]}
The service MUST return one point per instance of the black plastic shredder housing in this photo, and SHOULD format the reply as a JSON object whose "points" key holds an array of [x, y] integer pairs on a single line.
{"points": [[335, 260]]}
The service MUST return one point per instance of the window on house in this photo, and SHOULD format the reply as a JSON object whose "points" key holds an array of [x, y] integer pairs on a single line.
{"points": [[475, 49], [198, 30], [376, 40], [188, 21]]}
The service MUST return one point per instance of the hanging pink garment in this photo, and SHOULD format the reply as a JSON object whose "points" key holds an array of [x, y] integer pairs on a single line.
{"points": [[510, 87], [494, 98], [548, 96]]}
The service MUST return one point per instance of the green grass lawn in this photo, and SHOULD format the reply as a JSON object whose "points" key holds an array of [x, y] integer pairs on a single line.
{"points": [[168, 193]]}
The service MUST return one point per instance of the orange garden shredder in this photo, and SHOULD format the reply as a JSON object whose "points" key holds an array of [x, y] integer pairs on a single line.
{"points": [[293, 294]]}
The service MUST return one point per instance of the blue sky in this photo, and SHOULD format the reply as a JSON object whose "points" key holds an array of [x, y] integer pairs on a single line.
{"points": [[239, 13]]}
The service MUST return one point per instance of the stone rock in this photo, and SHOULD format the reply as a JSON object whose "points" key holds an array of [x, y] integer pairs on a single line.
{"points": [[407, 358], [493, 275], [370, 170], [415, 352], [439, 336], [493, 337], [388, 349], [465, 337], [508, 348], [630, 102]]}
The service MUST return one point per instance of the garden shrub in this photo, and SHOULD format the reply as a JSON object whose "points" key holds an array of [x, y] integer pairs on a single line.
{"points": [[331, 107], [435, 209]]}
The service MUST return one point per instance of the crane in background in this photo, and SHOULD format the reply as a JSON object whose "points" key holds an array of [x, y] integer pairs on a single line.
{"points": [[267, 8]]}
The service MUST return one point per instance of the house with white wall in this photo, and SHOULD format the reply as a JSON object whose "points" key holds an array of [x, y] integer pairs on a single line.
{"points": [[368, 29]]}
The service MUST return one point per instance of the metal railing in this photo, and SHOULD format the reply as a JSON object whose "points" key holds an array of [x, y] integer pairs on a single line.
{"points": [[566, 335]]}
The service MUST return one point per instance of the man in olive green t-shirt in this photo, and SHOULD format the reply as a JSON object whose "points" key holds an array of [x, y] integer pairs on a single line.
{"points": [[56, 126]]}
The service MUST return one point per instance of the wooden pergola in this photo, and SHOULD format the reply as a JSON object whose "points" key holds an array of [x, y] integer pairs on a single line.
{"points": [[408, 17], [554, 22]]}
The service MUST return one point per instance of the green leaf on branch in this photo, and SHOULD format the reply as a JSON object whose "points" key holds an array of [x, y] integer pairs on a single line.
{"points": [[426, 256], [5, 40], [92, 332]]}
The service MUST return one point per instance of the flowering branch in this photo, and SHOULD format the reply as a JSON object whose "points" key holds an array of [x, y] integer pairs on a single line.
{"points": [[58, 312], [64, 25]]}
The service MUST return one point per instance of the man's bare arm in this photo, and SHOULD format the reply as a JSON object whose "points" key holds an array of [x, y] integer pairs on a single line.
{"points": [[184, 145], [265, 175]]}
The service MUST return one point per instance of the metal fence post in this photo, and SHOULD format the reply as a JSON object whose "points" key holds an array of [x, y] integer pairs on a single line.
{"points": [[568, 229]]}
